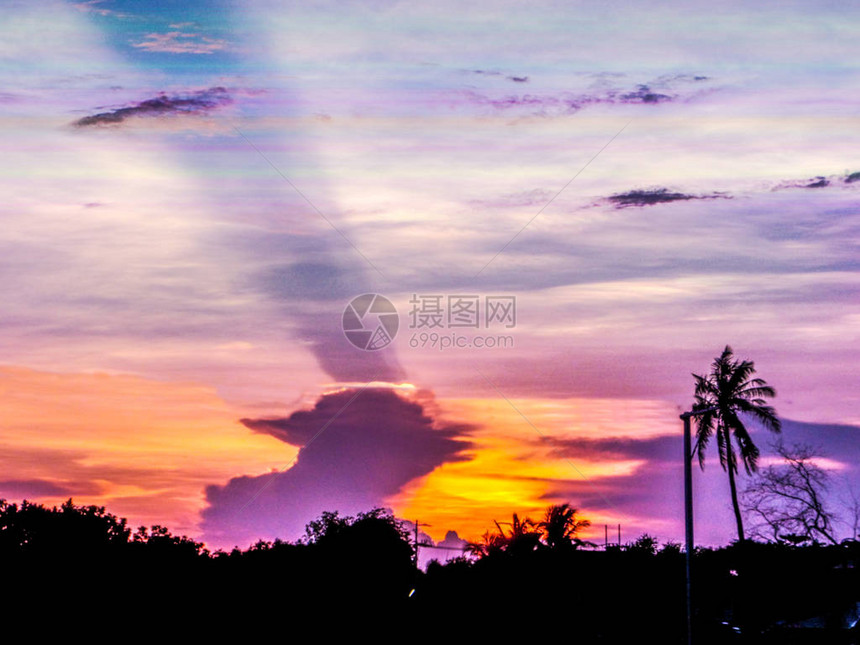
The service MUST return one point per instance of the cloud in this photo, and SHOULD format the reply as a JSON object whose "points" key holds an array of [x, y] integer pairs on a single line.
{"points": [[644, 94], [331, 285], [661, 90], [536, 104], [820, 181], [515, 79], [613, 448], [814, 182], [94, 7], [181, 42], [534, 197], [36, 488], [193, 103], [359, 448], [651, 196]]}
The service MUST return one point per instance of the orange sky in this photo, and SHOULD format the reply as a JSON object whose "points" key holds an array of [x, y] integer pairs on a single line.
{"points": [[143, 448], [146, 450], [512, 467]]}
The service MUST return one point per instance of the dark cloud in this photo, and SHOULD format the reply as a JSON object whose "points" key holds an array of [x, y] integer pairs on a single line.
{"points": [[330, 285], [359, 448], [193, 103], [820, 181], [308, 280], [651, 196], [654, 449], [836, 441], [660, 90], [644, 94], [841, 442], [337, 357]]}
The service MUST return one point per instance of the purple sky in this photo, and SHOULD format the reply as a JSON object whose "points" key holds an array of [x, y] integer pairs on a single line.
{"points": [[193, 193]]}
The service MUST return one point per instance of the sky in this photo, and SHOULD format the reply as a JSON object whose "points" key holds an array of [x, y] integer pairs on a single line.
{"points": [[571, 206]]}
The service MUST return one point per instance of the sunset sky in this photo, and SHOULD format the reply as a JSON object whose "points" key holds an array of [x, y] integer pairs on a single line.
{"points": [[195, 190]]}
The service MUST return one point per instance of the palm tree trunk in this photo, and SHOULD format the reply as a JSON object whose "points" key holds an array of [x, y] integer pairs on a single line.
{"points": [[731, 459]]}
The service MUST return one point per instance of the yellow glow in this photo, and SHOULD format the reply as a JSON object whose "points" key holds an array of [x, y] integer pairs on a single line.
{"points": [[514, 468]]}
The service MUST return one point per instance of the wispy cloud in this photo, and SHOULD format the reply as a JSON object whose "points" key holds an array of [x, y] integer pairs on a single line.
{"points": [[96, 7], [513, 78], [181, 42]]}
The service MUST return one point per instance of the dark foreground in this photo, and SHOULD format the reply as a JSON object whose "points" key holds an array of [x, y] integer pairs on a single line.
{"points": [[82, 569]]}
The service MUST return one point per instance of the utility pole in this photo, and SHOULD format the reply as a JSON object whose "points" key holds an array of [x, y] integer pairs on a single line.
{"points": [[417, 524], [688, 511]]}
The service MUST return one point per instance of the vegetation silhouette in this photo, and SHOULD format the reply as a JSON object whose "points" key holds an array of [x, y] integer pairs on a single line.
{"points": [[789, 499], [83, 566], [561, 526], [87, 565], [725, 394]]}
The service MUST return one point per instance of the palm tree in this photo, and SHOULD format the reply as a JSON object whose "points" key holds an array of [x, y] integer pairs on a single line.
{"points": [[560, 526], [727, 394], [489, 543], [521, 538]]}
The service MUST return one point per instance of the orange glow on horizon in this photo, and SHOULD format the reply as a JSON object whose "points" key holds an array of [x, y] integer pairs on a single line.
{"points": [[144, 449], [513, 468]]}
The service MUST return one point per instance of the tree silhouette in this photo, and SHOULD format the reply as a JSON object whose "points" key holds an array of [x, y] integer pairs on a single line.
{"points": [[489, 544], [521, 537], [727, 393], [561, 525], [69, 562], [790, 498]]}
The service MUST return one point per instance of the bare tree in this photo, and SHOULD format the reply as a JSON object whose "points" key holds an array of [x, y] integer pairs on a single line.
{"points": [[787, 501]]}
